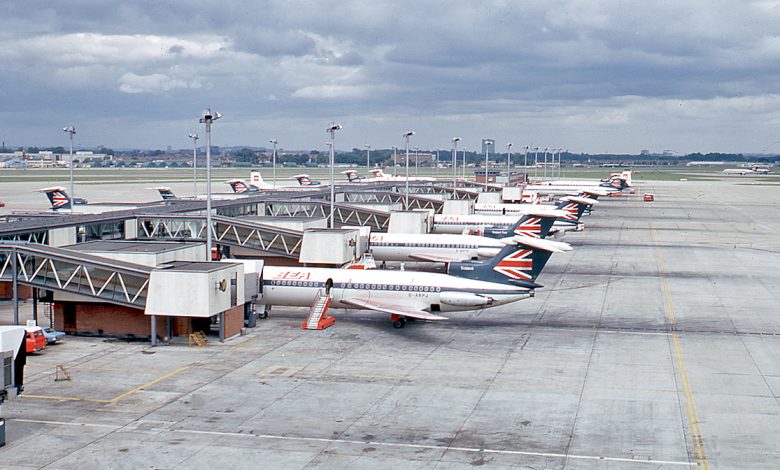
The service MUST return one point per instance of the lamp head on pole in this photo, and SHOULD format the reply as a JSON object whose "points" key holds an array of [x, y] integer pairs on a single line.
{"points": [[209, 117], [333, 127], [273, 141], [69, 129], [455, 140], [408, 134], [194, 137]]}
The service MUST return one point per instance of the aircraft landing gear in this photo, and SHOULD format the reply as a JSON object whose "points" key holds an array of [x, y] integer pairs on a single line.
{"points": [[264, 314], [398, 321]]}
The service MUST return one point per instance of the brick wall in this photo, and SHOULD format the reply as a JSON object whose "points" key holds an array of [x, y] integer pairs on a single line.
{"points": [[234, 321], [108, 320], [7, 291]]}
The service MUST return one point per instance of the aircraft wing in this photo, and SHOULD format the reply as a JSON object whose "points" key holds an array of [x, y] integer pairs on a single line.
{"points": [[393, 310], [434, 258]]}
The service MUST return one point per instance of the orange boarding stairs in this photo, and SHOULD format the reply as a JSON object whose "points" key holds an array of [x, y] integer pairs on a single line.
{"points": [[318, 318]]}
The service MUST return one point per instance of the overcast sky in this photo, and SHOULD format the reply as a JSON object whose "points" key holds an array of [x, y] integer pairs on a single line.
{"points": [[585, 75]]}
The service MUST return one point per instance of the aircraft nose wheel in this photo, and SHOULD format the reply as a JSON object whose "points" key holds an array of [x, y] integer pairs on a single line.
{"points": [[399, 323]]}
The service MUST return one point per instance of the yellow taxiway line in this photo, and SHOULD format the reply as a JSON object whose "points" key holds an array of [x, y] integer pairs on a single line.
{"points": [[682, 371]]}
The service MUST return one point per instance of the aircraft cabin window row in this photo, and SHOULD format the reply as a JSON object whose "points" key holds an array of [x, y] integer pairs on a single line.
{"points": [[427, 245], [350, 285]]}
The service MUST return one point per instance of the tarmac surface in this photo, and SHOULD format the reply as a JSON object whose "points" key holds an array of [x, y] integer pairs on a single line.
{"points": [[654, 344]]}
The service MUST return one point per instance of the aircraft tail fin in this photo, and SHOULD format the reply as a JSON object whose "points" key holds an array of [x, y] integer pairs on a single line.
{"points": [[255, 178], [377, 173], [535, 225], [238, 186], [58, 197], [304, 180], [352, 176], [166, 193], [518, 263], [574, 207]]}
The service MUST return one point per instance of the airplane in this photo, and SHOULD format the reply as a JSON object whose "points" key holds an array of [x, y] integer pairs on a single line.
{"points": [[616, 182], [740, 171], [513, 209], [257, 184], [473, 285], [59, 198], [568, 212], [448, 248], [379, 176]]}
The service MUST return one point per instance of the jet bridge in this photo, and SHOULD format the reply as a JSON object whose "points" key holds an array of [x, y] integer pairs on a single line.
{"points": [[344, 214], [226, 231], [63, 270], [387, 197]]}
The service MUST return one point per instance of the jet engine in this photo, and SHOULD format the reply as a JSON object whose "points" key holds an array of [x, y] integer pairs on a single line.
{"points": [[464, 299], [485, 253]]}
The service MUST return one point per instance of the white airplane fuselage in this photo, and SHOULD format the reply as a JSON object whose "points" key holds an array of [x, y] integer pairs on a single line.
{"points": [[413, 290], [406, 246]]}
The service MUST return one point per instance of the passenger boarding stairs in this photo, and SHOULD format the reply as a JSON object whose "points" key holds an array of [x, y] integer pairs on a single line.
{"points": [[318, 319]]}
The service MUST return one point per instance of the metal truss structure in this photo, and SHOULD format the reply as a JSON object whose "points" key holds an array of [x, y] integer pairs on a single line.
{"points": [[225, 231], [344, 214], [74, 272]]}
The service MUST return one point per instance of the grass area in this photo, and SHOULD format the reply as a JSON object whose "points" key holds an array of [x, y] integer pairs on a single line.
{"points": [[163, 175]]}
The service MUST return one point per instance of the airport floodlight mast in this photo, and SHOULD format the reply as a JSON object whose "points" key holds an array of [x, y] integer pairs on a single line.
{"points": [[395, 159], [208, 118], [194, 138], [406, 136], [368, 158], [71, 130], [536, 162], [332, 128], [525, 164], [487, 143], [417, 161], [455, 141], [545, 161], [274, 142], [508, 159]]}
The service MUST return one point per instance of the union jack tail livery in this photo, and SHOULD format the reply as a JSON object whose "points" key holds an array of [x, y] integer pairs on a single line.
{"points": [[352, 176], [240, 187], [534, 226], [304, 180], [574, 207], [519, 263], [166, 193], [59, 199]]}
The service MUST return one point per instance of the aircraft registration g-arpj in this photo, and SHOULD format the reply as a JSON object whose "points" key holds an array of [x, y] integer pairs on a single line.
{"points": [[472, 285]]}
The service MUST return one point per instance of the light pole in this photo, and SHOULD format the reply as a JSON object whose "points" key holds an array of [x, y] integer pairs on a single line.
{"points": [[71, 130], [194, 138], [508, 159], [407, 134], [273, 157], [208, 118], [525, 164], [545, 162], [395, 157], [368, 158], [416, 161], [486, 143], [464, 163], [332, 128], [536, 162], [455, 141]]}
